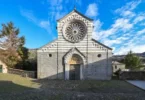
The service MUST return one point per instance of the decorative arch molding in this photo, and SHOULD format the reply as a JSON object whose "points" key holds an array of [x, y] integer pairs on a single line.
{"points": [[67, 58], [72, 51]]}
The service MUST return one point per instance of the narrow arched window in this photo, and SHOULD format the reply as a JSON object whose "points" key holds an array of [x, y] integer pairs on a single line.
{"points": [[99, 55], [115, 67], [50, 55]]}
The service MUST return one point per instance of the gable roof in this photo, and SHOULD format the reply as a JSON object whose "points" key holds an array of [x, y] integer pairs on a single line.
{"points": [[101, 44], [47, 43], [117, 63], [77, 13]]}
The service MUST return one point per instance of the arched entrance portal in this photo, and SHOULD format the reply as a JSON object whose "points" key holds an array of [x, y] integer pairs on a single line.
{"points": [[75, 64]]}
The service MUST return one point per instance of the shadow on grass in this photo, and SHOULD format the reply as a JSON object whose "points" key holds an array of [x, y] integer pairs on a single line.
{"points": [[66, 90], [9, 86]]}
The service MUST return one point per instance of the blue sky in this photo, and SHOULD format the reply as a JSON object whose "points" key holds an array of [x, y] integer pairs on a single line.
{"points": [[119, 24]]}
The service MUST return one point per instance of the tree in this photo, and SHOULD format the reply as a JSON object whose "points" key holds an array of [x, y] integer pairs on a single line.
{"points": [[132, 61], [10, 44], [23, 53]]}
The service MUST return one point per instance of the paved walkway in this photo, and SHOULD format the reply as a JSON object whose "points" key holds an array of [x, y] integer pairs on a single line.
{"points": [[140, 84]]}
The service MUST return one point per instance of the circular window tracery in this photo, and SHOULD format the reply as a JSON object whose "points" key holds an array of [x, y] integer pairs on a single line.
{"points": [[74, 31]]}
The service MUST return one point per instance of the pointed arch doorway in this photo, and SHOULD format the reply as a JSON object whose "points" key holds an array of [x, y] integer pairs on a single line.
{"points": [[74, 62], [75, 67]]}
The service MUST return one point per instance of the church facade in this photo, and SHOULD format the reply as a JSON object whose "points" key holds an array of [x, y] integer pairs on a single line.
{"points": [[74, 55]]}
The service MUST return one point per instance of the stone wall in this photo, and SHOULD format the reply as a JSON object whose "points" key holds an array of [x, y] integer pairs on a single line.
{"points": [[132, 75], [49, 67], [47, 63], [23, 73], [97, 67]]}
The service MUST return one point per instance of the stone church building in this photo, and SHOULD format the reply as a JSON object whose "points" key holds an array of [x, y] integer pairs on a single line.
{"points": [[74, 55]]}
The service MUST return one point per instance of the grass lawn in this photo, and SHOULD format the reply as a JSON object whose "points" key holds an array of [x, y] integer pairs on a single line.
{"points": [[11, 83], [14, 87]]}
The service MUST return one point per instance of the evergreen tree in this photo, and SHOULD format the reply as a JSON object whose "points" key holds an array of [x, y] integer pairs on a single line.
{"points": [[132, 61], [11, 46]]}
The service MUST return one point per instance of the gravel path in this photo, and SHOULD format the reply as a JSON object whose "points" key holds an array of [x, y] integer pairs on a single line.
{"points": [[70, 95], [77, 90]]}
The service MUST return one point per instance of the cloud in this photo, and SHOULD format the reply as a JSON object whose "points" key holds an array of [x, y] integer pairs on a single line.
{"points": [[125, 33], [127, 10], [92, 10], [29, 15], [97, 27], [122, 23], [128, 7], [98, 24], [55, 8], [59, 15], [128, 14], [141, 32], [117, 41], [55, 12], [134, 48], [45, 24], [139, 18]]}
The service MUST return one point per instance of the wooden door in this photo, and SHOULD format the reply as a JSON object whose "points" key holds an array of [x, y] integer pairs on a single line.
{"points": [[74, 73]]}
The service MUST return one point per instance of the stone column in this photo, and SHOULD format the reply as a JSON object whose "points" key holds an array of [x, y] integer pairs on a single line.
{"points": [[66, 71], [81, 72]]}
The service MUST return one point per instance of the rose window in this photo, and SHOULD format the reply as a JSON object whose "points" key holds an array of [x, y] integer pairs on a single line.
{"points": [[74, 31]]}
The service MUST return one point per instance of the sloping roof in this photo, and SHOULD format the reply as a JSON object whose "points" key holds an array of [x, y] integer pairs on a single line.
{"points": [[47, 44], [101, 44], [77, 13], [117, 63], [92, 40]]}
